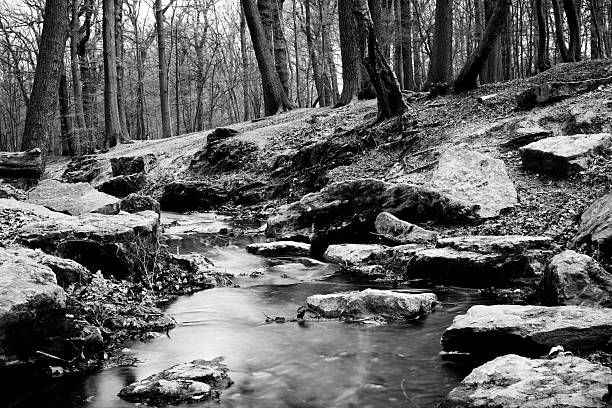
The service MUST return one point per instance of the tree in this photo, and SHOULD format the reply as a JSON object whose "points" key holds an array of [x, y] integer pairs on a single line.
{"points": [[162, 67], [275, 98], [407, 44], [441, 62], [112, 123], [388, 93], [542, 63], [349, 49], [468, 75], [119, 51], [42, 103]]}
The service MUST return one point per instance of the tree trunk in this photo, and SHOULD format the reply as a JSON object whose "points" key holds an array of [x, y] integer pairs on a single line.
{"points": [[119, 51], [406, 39], [388, 93], [441, 63], [27, 164], [597, 23], [563, 51], [298, 88], [246, 115], [281, 56], [418, 68], [69, 136], [77, 86], [491, 72], [573, 24], [112, 123], [49, 67], [314, 60], [163, 69], [349, 50], [466, 80], [542, 63], [275, 98], [398, 58]]}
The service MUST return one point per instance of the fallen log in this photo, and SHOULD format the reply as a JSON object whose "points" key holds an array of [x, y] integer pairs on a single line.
{"points": [[553, 91], [21, 164]]}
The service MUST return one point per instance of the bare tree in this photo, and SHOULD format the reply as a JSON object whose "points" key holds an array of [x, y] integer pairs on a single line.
{"points": [[349, 49], [112, 123], [441, 62], [163, 67]]}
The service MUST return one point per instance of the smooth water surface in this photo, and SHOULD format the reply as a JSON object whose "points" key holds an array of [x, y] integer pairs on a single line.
{"points": [[323, 363]]}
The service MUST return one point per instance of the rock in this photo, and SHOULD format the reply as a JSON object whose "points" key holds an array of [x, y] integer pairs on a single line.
{"points": [[225, 155], [346, 210], [475, 179], [8, 191], [483, 261], [220, 134], [352, 254], [190, 382], [85, 169], [122, 186], [192, 195], [111, 243], [126, 165], [32, 305], [198, 273], [521, 131], [72, 198], [528, 330], [596, 226], [553, 91], [397, 231], [66, 271], [513, 381], [135, 203], [562, 155], [575, 279], [279, 248], [373, 304]]}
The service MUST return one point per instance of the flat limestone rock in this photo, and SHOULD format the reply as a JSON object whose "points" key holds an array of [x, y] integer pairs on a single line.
{"points": [[564, 154], [475, 179], [513, 381], [596, 226], [373, 304], [399, 231], [73, 198], [189, 382], [528, 330], [575, 279], [352, 254], [483, 261], [279, 248]]}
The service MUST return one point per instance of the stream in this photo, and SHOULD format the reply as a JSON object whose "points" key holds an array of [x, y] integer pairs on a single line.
{"points": [[323, 363]]}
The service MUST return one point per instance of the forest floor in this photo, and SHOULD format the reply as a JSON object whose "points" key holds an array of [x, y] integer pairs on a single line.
{"points": [[302, 150]]}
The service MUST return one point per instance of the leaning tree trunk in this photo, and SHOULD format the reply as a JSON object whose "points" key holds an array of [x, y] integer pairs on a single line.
{"points": [[542, 63], [388, 93], [112, 124], [275, 98], [466, 80], [49, 67], [349, 50], [561, 45], [162, 70], [492, 69], [441, 61]]}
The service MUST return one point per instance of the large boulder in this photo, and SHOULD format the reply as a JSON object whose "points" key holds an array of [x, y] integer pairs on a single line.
{"points": [[192, 195], [9, 191], [575, 279], [124, 185], [86, 169], [135, 203], [126, 165], [225, 155], [32, 305], [596, 226], [513, 381], [475, 179], [66, 271], [353, 254], [528, 330], [564, 154], [346, 210], [397, 231], [72, 198], [483, 261], [279, 248], [189, 382], [114, 244], [373, 304]]}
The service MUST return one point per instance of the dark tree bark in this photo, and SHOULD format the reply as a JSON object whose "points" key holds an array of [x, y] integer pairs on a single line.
{"points": [[398, 57], [561, 45], [542, 63], [492, 70], [367, 88], [112, 124], [466, 80], [388, 93], [441, 62], [281, 56], [275, 98], [573, 24], [69, 136], [49, 67], [349, 49], [406, 45], [163, 69]]}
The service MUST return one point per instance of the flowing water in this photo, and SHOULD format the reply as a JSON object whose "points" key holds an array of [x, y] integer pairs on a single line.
{"points": [[322, 363]]}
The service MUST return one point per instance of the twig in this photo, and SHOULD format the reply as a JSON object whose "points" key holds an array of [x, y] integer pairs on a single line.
{"points": [[51, 356], [431, 163], [406, 394], [421, 152]]}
